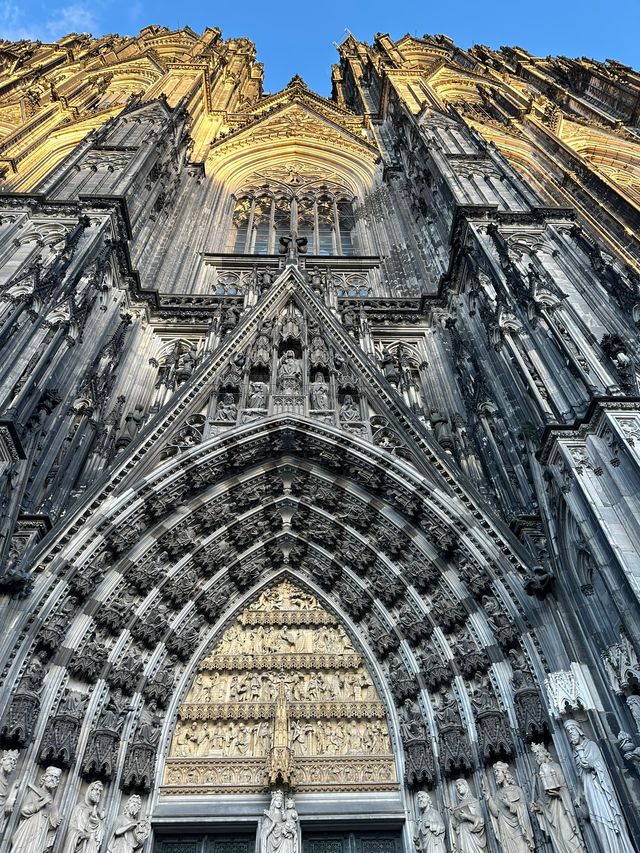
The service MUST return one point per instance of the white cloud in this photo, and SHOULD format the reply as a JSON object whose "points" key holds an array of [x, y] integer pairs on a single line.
{"points": [[16, 23]]}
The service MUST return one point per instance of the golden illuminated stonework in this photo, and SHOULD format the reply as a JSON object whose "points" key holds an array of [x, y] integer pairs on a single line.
{"points": [[284, 699]]}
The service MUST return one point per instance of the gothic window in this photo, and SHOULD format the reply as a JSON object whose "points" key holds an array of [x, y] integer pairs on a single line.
{"points": [[320, 210]]}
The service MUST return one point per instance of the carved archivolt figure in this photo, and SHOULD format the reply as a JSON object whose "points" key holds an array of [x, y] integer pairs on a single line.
{"points": [[87, 823], [509, 813], [553, 805], [39, 817], [130, 832], [598, 792], [467, 820], [430, 828], [280, 827]]}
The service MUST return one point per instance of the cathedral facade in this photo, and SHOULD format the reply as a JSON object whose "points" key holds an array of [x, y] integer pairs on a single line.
{"points": [[320, 450]]}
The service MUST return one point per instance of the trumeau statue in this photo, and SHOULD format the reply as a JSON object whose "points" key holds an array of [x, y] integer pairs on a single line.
{"points": [[467, 820], [39, 817], [553, 806], [86, 826], [430, 828], [280, 831], [130, 830], [598, 792], [509, 813]]}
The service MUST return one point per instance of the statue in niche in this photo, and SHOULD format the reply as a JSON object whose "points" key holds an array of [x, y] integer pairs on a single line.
{"points": [[509, 814], [349, 410], [227, 409], [553, 806], [430, 828], [257, 396], [441, 429], [289, 373], [467, 820], [132, 423], [86, 826], [598, 792], [280, 832], [130, 831], [389, 367], [185, 363], [319, 393], [39, 817]]}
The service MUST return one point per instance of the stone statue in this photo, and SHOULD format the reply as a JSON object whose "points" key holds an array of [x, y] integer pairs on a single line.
{"points": [[86, 826], [39, 817], [8, 763], [509, 815], [226, 409], [320, 393], [389, 367], [349, 410], [553, 806], [441, 429], [280, 826], [257, 396], [289, 373], [430, 828], [467, 820], [130, 832], [598, 792]]}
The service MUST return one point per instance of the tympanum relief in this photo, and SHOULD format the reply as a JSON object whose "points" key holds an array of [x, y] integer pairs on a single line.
{"points": [[283, 694]]}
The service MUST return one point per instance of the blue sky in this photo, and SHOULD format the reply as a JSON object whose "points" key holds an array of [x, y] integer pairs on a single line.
{"points": [[298, 37]]}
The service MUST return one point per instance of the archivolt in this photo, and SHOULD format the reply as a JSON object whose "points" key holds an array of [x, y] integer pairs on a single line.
{"points": [[138, 595]]}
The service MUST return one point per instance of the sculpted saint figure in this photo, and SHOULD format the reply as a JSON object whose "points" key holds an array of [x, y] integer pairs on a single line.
{"points": [[467, 820], [349, 410], [8, 763], [598, 792], [257, 395], [227, 409], [320, 393], [430, 828], [280, 828], [129, 832], [39, 817], [87, 823], [553, 806], [509, 813]]}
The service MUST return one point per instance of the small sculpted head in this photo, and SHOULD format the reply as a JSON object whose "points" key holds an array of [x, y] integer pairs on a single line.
{"points": [[462, 787], [51, 778], [574, 732], [424, 800], [94, 792]]}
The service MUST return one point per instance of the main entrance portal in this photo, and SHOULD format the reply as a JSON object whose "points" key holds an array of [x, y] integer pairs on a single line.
{"points": [[383, 841]]}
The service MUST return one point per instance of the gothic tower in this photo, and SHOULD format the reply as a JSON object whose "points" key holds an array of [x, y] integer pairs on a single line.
{"points": [[320, 450]]}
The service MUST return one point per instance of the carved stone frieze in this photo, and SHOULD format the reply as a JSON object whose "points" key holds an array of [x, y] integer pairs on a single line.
{"points": [[283, 652]]}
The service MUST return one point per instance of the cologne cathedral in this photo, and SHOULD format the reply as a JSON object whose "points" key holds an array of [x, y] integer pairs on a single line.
{"points": [[320, 450]]}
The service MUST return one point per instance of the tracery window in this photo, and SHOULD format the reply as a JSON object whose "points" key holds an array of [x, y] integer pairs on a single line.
{"points": [[293, 200]]}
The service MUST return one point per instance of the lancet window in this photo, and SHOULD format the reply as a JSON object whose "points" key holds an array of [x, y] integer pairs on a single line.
{"points": [[320, 210]]}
